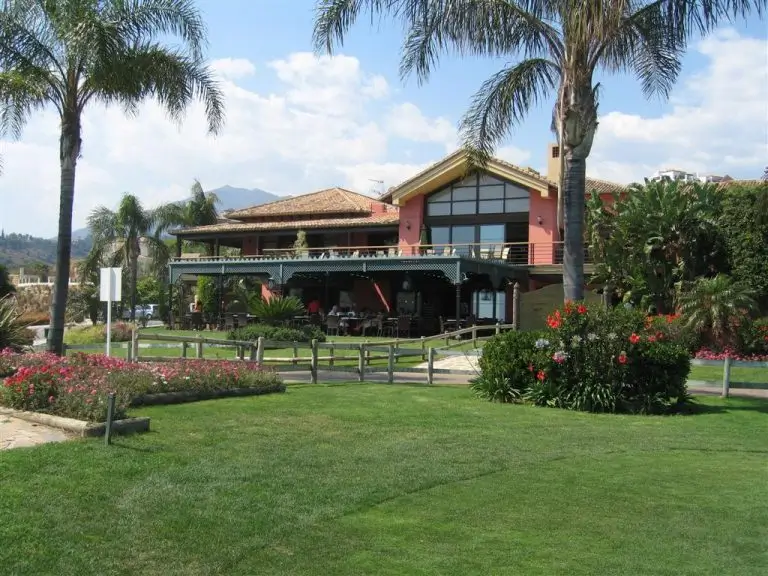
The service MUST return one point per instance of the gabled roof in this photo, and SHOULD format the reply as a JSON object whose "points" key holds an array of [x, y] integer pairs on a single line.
{"points": [[603, 186], [329, 201], [456, 165]]}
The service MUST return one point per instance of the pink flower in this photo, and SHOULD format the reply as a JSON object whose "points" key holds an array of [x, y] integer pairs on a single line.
{"points": [[634, 338]]}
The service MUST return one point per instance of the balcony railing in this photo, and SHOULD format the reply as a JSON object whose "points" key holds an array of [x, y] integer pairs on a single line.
{"points": [[512, 253]]}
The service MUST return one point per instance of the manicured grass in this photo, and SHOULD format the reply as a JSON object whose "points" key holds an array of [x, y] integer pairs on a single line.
{"points": [[715, 374], [374, 479]]}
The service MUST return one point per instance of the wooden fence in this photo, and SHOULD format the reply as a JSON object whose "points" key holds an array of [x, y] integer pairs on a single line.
{"points": [[726, 382], [358, 358]]}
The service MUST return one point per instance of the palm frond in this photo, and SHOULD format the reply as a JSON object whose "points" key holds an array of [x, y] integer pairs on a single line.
{"points": [[503, 101], [154, 71]]}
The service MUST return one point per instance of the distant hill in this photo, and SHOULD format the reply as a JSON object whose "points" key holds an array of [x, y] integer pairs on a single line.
{"points": [[230, 198], [24, 250]]}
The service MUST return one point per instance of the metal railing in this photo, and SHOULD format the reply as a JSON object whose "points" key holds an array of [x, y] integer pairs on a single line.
{"points": [[515, 253]]}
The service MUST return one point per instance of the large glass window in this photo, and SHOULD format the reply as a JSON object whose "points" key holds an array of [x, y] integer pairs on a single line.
{"points": [[463, 237], [481, 194], [441, 236], [490, 305]]}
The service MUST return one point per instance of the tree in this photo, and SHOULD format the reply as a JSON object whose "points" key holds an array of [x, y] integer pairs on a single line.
{"points": [[199, 210], [66, 55], [714, 307], [300, 245], [118, 237], [653, 237], [6, 287], [560, 45]]}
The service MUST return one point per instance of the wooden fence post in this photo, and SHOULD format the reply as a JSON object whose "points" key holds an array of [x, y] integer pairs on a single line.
{"points": [[184, 349], [64, 350], [430, 365], [199, 351], [260, 350], [423, 349], [474, 336], [367, 354], [330, 354], [135, 346], [295, 353], [241, 352], [253, 356], [516, 306], [130, 346], [361, 363], [498, 328], [313, 363], [397, 350], [391, 364], [726, 376]]}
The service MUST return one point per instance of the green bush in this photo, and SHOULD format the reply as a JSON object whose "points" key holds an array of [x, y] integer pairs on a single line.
{"points": [[13, 333], [252, 332], [752, 337], [121, 332], [596, 361], [277, 310]]}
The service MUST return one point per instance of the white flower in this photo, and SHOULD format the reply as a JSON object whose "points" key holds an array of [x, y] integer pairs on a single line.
{"points": [[559, 356], [576, 340], [541, 343], [592, 337], [612, 336]]}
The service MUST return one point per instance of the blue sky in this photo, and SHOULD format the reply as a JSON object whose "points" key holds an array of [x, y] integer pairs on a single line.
{"points": [[298, 123]]}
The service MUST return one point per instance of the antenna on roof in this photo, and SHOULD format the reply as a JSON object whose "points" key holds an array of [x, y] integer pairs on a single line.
{"points": [[376, 188]]}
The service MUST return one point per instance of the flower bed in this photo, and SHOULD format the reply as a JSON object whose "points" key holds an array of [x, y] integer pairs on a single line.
{"points": [[706, 354], [591, 360], [78, 386]]}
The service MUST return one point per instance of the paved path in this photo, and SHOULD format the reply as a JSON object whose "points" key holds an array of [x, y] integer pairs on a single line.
{"points": [[15, 433]]}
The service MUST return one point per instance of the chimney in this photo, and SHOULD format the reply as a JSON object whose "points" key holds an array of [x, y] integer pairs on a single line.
{"points": [[553, 162]]}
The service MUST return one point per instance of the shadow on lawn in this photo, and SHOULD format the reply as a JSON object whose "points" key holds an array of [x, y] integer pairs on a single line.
{"points": [[694, 408]]}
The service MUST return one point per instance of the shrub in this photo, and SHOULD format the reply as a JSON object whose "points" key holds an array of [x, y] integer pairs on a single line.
{"points": [[121, 332], [78, 386], [34, 318], [277, 310], [596, 361], [252, 332], [13, 333], [752, 337]]}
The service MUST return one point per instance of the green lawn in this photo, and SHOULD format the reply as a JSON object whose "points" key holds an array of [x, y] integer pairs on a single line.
{"points": [[375, 479], [715, 374]]}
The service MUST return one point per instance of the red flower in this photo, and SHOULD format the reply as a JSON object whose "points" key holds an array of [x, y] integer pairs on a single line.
{"points": [[659, 336], [622, 358], [541, 375], [581, 309], [634, 339], [568, 307], [651, 338], [554, 320]]}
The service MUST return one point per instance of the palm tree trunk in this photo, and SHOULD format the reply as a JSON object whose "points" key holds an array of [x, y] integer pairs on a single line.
{"points": [[573, 217], [134, 278], [69, 150]]}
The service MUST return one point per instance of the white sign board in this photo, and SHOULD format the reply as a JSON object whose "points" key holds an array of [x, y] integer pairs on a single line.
{"points": [[109, 290], [110, 284]]}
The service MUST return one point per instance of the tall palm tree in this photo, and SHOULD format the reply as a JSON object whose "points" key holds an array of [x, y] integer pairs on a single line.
{"points": [[118, 237], [198, 210], [67, 54], [559, 46]]}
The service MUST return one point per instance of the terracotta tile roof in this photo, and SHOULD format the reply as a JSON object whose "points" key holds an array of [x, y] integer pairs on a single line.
{"points": [[328, 201], [384, 219], [603, 186]]}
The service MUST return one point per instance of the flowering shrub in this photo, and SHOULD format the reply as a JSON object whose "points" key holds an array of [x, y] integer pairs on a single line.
{"points": [[591, 360], [121, 332], [78, 386]]}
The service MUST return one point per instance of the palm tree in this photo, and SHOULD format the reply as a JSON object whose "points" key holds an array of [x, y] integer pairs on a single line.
{"points": [[118, 237], [198, 210], [559, 46], [69, 54], [713, 307]]}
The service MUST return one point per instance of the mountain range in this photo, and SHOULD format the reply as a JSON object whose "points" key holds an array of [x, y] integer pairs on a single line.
{"points": [[24, 250]]}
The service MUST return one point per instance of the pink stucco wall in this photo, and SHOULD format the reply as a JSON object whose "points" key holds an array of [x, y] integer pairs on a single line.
{"points": [[411, 219], [542, 236]]}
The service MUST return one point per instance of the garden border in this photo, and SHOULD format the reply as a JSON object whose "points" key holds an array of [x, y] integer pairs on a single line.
{"points": [[80, 428], [184, 396]]}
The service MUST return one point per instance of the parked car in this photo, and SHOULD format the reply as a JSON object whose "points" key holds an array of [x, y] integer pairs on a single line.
{"points": [[147, 312]]}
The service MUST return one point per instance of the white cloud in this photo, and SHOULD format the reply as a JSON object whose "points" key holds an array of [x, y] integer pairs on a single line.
{"points": [[407, 121], [233, 68], [320, 127], [718, 122]]}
